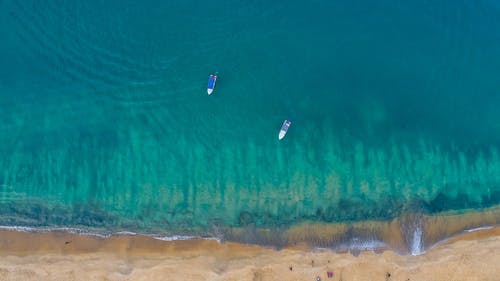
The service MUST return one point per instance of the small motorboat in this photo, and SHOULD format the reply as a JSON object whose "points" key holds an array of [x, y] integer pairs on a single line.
{"points": [[211, 83], [284, 129]]}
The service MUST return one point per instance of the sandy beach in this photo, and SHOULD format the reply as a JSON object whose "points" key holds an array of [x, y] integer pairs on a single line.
{"points": [[63, 256]]}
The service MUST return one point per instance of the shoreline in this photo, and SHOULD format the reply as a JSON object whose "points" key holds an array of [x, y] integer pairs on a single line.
{"points": [[452, 246], [410, 234], [65, 256], [14, 242]]}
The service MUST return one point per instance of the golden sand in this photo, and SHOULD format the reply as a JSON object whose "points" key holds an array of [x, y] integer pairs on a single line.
{"points": [[63, 256]]}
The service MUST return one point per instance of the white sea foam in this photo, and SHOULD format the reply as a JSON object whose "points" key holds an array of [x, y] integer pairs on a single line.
{"points": [[479, 228], [55, 229], [125, 233], [416, 242], [174, 237], [361, 245], [182, 237], [102, 234], [18, 228], [366, 245]]}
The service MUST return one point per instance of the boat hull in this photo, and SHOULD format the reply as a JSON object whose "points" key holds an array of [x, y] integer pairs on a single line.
{"points": [[281, 135], [211, 84], [284, 129]]}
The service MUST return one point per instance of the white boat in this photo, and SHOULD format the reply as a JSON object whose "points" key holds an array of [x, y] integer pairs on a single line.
{"points": [[211, 83], [284, 129]]}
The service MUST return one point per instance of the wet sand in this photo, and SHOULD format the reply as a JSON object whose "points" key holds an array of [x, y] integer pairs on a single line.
{"points": [[398, 234], [63, 256]]}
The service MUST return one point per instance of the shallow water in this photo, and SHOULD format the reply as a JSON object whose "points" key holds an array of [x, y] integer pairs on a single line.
{"points": [[105, 121]]}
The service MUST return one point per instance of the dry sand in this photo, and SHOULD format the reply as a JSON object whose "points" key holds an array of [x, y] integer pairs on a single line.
{"points": [[62, 256]]}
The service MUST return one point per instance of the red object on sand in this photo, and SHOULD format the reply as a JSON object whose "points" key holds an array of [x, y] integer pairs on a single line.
{"points": [[329, 274]]}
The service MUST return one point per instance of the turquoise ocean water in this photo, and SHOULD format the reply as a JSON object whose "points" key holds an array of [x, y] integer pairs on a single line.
{"points": [[105, 122]]}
